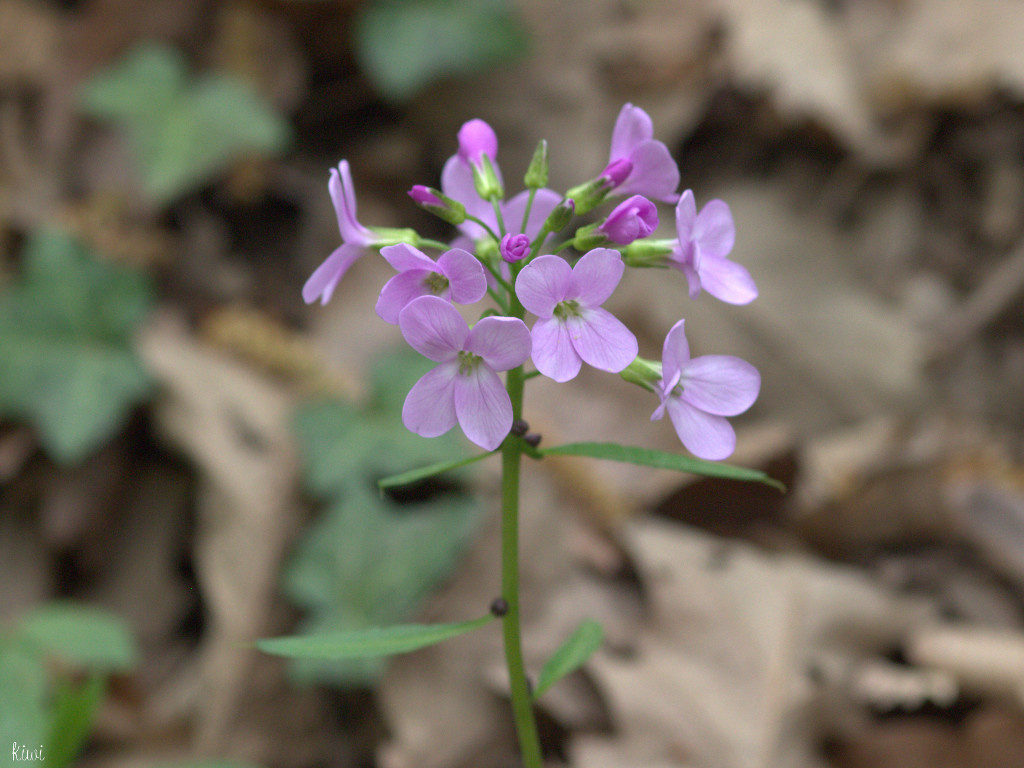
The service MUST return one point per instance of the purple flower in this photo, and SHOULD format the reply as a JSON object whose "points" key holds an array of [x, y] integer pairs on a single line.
{"points": [[631, 219], [514, 248], [476, 138], [705, 240], [465, 386], [572, 328], [638, 164], [354, 239], [456, 276], [700, 392], [422, 195]]}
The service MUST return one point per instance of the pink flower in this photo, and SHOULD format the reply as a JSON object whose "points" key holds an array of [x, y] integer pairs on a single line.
{"points": [[354, 239], [631, 219], [465, 387], [637, 163], [476, 138], [456, 276], [572, 328], [705, 240], [700, 392]]}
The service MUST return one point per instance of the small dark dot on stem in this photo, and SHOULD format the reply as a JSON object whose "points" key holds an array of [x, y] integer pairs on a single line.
{"points": [[520, 427], [499, 606], [532, 439]]}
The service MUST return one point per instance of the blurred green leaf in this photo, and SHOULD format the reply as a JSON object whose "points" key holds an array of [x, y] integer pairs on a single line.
{"points": [[403, 45], [81, 635], [370, 559], [66, 361], [661, 460], [75, 709], [183, 132], [376, 641], [23, 690], [570, 656]]}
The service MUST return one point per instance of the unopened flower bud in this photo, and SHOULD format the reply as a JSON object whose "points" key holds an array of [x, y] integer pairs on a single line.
{"points": [[644, 373], [486, 181], [588, 237], [514, 248], [647, 253], [537, 172], [384, 236], [617, 172], [439, 204], [589, 195], [632, 219], [560, 216]]}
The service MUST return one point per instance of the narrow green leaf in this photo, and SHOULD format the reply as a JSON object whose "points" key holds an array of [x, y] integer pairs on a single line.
{"points": [[422, 473], [661, 460], [570, 656], [378, 641]]}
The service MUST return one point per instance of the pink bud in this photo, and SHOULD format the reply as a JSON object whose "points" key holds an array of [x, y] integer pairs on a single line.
{"points": [[618, 171], [422, 195], [514, 247], [633, 218]]}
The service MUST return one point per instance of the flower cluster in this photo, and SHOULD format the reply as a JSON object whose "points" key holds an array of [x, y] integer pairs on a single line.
{"points": [[511, 251]]}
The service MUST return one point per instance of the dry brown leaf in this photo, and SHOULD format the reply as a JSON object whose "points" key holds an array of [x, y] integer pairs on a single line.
{"points": [[234, 425], [719, 675]]}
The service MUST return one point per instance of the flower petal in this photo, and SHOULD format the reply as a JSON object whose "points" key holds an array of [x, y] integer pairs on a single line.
{"points": [[655, 173], [720, 384], [714, 230], [543, 283], [632, 127], [483, 407], [704, 435], [675, 354], [325, 278], [465, 275], [457, 183], [429, 408], [404, 257], [594, 277], [399, 292], [544, 202], [502, 342], [727, 280], [343, 195], [553, 352], [434, 328], [686, 217], [602, 340]]}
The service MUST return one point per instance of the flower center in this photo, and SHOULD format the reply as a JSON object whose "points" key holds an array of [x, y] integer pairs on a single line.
{"points": [[468, 362], [567, 308], [436, 283]]}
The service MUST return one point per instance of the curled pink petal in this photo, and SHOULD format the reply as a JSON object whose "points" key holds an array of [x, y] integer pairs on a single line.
{"points": [[675, 353], [325, 278], [633, 126]]}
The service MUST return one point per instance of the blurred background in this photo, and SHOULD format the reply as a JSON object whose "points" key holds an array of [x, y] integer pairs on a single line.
{"points": [[189, 454]]}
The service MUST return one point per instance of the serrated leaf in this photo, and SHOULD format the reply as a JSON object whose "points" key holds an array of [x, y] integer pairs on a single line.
{"points": [[404, 45], [81, 635], [661, 460], [570, 656], [377, 641], [66, 360], [183, 132]]}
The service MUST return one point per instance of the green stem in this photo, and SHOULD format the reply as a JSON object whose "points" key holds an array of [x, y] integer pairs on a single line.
{"points": [[511, 454]]}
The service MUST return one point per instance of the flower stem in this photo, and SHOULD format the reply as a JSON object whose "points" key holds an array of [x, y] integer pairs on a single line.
{"points": [[511, 454]]}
